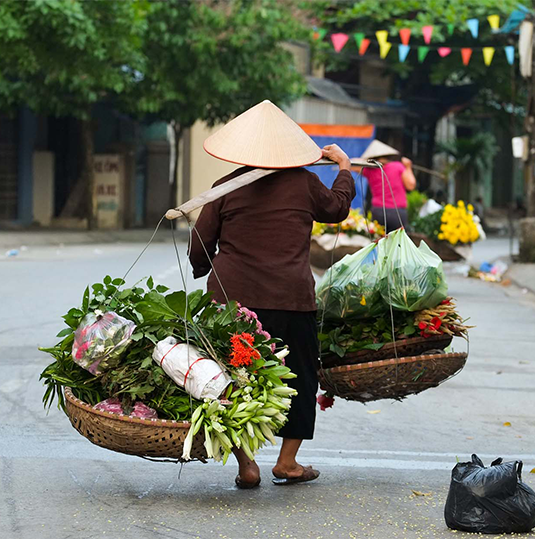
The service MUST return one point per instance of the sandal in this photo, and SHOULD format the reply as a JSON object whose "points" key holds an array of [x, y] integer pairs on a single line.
{"points": [[244, 485], [309, 474]]}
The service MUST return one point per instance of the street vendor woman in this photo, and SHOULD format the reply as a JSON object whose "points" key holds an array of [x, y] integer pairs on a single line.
{"points": [[389, 194], [258, 240]]}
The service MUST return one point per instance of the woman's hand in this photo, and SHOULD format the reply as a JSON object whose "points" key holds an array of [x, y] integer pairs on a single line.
{"points": [[336, 154], [407, 162]]}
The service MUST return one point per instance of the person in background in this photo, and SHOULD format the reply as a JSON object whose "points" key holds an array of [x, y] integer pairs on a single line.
{"points": [[399, 178], [257, 239]]}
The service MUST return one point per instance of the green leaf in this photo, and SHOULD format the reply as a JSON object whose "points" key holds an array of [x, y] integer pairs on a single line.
{"points": [[85, 300], [154, 306], [64, 332], [373, 346], [338, 350], [162, 289], [177, 302], [107, 280], [118, 281], [137, 336], [150, 283]]}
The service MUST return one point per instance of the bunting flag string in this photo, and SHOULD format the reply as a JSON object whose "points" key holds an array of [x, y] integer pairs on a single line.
{"points": [[340, 39]]}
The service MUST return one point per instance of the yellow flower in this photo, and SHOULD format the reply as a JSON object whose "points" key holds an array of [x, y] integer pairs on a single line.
{"points": [[470, 208], [363, 301], [441, 236]]}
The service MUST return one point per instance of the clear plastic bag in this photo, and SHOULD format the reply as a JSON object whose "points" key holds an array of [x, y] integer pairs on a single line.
{"points": [[100, 340], [411, 278], [489, 500], [349, 289]]}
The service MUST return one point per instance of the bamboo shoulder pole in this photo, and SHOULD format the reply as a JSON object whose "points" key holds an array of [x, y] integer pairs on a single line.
{"points": [[228, 187]]}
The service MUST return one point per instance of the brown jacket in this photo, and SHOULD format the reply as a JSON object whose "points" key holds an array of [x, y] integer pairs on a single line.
{"points": [[263, 234]]}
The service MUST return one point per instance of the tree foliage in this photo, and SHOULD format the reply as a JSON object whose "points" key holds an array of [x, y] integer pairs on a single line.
{"points": [[59, 57]]}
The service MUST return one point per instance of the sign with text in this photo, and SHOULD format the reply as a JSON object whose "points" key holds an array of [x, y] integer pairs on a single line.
{"points": [[107, 196]]}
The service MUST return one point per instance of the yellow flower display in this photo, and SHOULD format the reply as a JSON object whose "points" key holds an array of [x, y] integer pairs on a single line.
{"points": [[458, 225], [355, 223]]}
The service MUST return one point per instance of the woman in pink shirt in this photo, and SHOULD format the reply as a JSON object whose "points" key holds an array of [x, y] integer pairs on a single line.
{"points": [[398, 179]]}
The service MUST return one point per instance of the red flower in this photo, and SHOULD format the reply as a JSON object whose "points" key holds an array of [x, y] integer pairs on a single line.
{"points": [[81, 350], [445, 302], [436, 323], [325, 401], [422, 325], [243, 352]]}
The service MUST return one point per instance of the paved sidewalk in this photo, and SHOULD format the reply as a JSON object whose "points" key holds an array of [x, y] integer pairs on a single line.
{"points": [[40, 237]]}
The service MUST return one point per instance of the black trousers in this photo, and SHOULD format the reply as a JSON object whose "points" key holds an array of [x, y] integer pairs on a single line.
{"points": [[392, 219], [299, 331]]}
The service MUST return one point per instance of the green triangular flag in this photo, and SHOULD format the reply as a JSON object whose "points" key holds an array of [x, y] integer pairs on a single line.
{"points": [[422, 53], [318, 34], [451, 28], [359, 36]]}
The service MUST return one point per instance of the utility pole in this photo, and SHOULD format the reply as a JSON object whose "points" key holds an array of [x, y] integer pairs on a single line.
{"points": [[529, 125]]}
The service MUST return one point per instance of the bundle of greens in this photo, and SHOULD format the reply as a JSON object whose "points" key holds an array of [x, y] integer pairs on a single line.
{"points": [[349, 291], [254, 406]]}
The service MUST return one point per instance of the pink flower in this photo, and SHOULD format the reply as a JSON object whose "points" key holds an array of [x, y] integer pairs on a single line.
{"points": [[325, 401]]}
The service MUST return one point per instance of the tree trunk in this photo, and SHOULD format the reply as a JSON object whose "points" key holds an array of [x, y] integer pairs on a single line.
{"points": [[81, 195], [173, 191]]}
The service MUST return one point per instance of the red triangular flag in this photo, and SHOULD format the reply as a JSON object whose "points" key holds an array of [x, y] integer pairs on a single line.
{"points": [[339, 41], [405, 35], [466, 54], [444, 51], [364, 44]]}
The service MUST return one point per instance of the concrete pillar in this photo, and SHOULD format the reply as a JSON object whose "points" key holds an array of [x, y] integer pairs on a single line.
{"points": [[43, 187], [158, 190], [527, 239]]}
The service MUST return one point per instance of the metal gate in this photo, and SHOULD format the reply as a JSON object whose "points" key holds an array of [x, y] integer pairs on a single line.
{"points": [[8, 169]]}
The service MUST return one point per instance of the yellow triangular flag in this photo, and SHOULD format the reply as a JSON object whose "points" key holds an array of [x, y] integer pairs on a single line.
{"points": [[382, 36], [494, 21], [384, 49], [488, 53]]}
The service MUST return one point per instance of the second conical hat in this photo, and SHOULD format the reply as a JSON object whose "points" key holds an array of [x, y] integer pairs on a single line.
{"points": [[263, 137], [378, 149]]}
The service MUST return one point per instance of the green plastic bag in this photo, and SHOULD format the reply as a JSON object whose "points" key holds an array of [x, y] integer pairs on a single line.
{"points": [[349, 289], [411, 278]]}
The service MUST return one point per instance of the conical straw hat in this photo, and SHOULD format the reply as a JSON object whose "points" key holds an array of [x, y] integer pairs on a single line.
{"points": [[263, 137], [378, 149]]}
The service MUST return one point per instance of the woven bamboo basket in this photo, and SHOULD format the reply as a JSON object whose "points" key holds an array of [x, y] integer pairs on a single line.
{"points": [[391, 378], [148, 438], [404, 348]]}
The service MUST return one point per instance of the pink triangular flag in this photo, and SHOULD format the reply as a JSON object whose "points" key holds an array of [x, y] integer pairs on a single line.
{"points": [[466, 54], [405, 35], [364, 44], [444, 51], [339, 41], [427, 31]]}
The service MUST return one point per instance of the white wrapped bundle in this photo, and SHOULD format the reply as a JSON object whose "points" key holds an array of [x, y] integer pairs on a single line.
{"points": [[201, 377]]}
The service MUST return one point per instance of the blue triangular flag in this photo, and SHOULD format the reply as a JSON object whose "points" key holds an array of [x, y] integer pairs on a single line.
{"points": [[403, 51], [473, 26], [510, 54]]}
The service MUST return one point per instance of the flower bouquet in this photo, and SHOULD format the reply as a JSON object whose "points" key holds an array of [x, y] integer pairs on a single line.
{"points": [[331, 242], [251, 408], [450, 230]]}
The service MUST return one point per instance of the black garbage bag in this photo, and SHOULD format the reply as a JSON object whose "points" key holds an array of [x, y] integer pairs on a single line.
{"points": [[489, 500]]}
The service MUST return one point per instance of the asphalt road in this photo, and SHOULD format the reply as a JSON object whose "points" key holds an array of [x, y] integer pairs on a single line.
{"points": [[57, 485]]}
